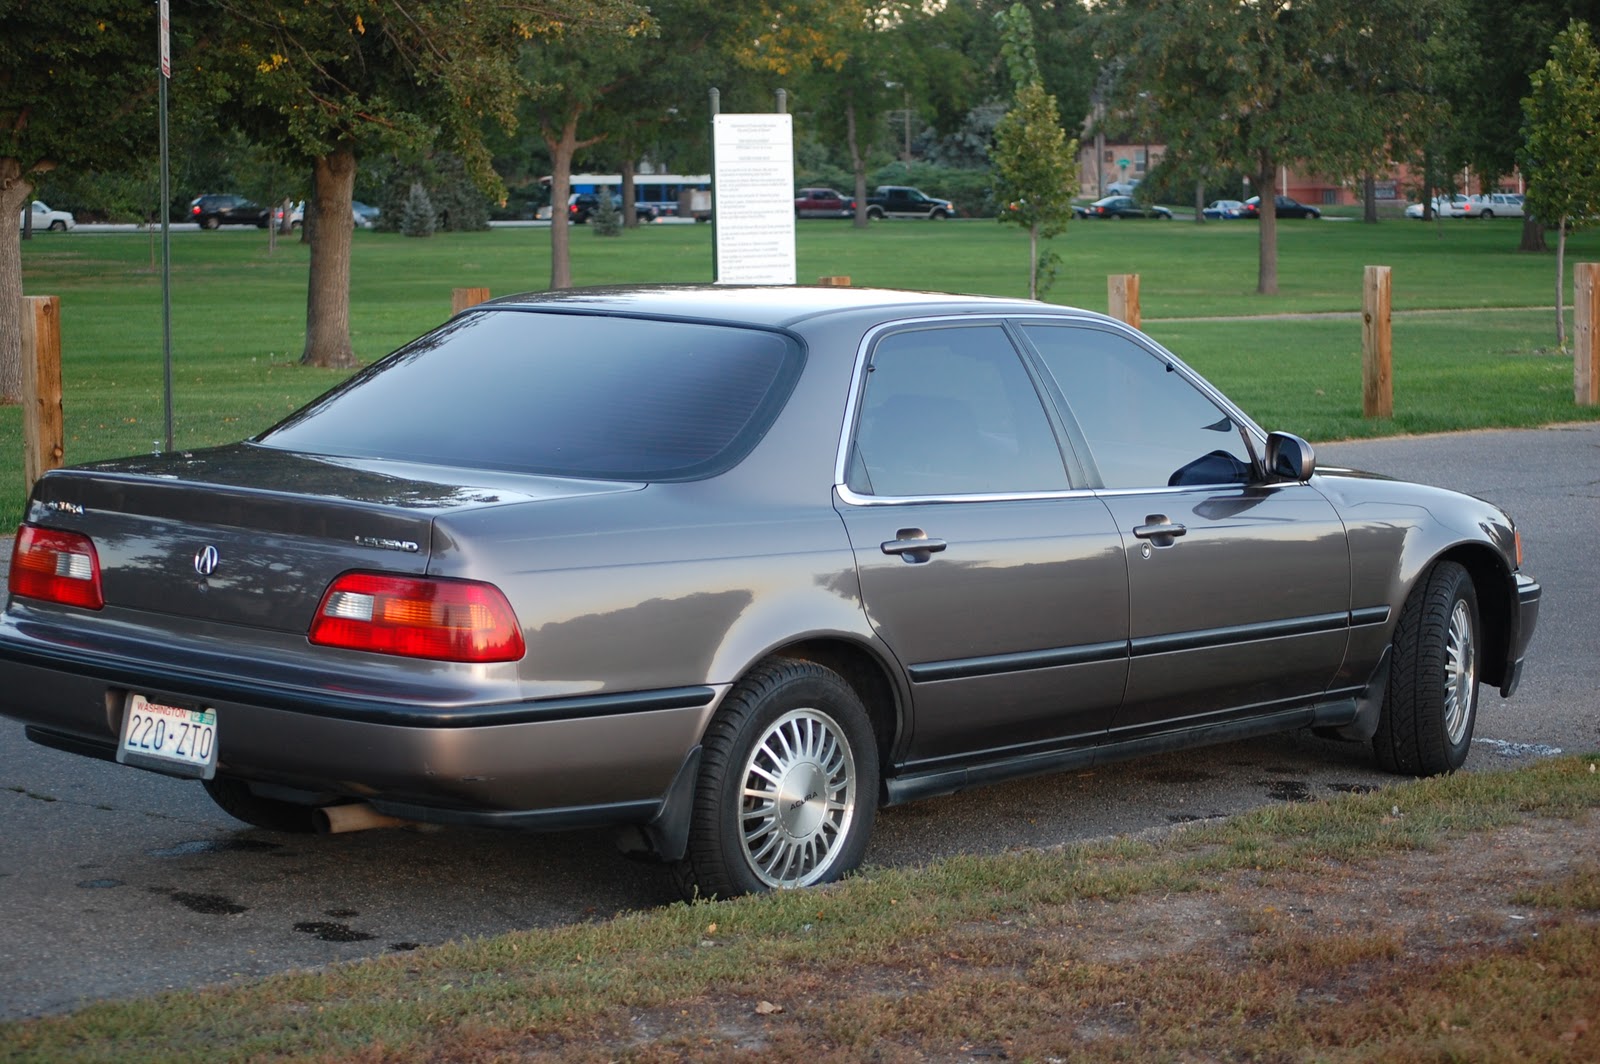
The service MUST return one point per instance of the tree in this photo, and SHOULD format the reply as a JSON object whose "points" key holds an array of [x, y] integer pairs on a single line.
{"points": [[1491, 50], [1561, 145], [337, 78], [1252, 85], [1036, 166], [54, 59]]}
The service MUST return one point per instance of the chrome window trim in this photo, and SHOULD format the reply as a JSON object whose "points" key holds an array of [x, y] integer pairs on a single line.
{"points": [[856, 499]]}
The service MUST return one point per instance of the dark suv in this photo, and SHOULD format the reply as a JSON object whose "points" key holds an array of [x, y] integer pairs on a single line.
{"points": [[224, 209], [584, 204]]}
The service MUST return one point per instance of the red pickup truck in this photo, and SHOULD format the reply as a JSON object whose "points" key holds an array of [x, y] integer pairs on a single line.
{"points": [[822, 203]]}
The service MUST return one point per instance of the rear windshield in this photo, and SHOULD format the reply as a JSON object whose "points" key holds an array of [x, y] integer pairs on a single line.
{"points": [[570, 395]]}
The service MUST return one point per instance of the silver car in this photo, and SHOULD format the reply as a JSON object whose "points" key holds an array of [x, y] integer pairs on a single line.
{"points": [[731, 568]]}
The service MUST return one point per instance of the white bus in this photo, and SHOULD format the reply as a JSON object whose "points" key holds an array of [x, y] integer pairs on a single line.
{"points": [[660, 193]]}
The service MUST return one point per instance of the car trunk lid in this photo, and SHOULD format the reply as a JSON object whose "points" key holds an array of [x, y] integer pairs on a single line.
{"points": [[253, 536]]}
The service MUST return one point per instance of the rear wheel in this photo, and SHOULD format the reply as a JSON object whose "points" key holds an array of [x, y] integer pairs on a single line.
{"points": [[237, 800], [788, 785], [875, 214], [1431, 703], [210, 223]]}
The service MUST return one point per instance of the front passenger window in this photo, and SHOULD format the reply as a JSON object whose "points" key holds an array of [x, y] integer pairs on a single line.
{"points": [[1146, 425]]}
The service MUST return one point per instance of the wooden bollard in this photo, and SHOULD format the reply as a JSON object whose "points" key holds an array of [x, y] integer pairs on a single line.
{"points": [[462, 298], [836, 282], [43, 420], [1122, 297], [1377, 344], [1586, 333]]}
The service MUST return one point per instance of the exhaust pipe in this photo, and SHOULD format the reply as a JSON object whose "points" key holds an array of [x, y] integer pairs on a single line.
{"points": [[354, 816]]}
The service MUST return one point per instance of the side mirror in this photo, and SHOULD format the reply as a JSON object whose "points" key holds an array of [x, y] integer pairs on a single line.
{"points": [[1289, 457]]}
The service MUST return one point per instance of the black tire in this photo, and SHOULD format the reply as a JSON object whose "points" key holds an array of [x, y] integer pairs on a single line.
{"points": [[238, 801], [209, 223], [1431, 702], [798, 730], [1487, 214], [58, 226], [939, 215], [875, 214]]}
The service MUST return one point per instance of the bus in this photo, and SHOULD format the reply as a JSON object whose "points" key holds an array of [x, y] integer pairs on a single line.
{"points": [[661, 193]]}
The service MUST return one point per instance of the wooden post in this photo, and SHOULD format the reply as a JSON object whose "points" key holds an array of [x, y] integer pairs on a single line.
{"points": [[43, 424], [1377, 344], [1122, 294], [462, 298], [836, 282], [1586, 333]]}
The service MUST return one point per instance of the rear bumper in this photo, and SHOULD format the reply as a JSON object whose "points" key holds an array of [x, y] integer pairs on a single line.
{"points": [[539, 763]]}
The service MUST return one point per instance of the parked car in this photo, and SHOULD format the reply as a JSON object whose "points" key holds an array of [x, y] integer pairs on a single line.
{"points": [[903, 201], [733, 567], [365, 217], [1493, 205], [45, 218], [582, 205], [1223, 209], [823, 203], [1284, 207], [361, 216], [1123, 188], [1441, 208], [218, 209], [1115, 207]]}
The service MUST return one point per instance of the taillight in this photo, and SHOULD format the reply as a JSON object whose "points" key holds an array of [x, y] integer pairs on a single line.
{"points": [[418, 617], [57, 567], [195, 209]]}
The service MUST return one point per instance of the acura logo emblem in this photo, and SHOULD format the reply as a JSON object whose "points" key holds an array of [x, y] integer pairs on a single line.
{"points": [[206, 559]]}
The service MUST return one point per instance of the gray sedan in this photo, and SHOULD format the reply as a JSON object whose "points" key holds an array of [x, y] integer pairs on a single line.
{"points": [[730, 568]]}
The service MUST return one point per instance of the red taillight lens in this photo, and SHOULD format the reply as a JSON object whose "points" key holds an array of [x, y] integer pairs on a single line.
{"points": [[57, 567], [415, 617]]}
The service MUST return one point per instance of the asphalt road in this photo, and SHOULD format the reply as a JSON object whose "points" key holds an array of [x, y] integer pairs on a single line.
{"points": [[116, 882]]}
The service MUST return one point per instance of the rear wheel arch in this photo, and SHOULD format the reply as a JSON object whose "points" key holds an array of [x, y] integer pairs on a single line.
{"points": [[867, 674]]}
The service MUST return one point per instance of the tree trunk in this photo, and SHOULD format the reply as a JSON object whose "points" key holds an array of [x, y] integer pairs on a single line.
{"points": [[1532, 235], [1561, 288], [630, 206], [1200, 202], [1369, 200], [1033, 261], [327, 217], [1267, 190], [858, 165], [15, 192], [563, 147]]}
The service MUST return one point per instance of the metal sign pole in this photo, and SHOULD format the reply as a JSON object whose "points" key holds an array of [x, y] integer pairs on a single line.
{"points": [[716, 109], [166, 233]]}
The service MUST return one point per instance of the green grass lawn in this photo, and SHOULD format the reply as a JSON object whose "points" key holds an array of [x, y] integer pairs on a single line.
{"points": [[239, 313]]}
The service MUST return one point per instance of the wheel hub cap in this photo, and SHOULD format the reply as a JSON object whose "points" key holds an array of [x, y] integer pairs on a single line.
{"points": [[799, 799], [1460, 673]]}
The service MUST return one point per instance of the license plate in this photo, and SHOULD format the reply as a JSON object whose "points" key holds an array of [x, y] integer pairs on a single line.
{"points": [[177, 740]]}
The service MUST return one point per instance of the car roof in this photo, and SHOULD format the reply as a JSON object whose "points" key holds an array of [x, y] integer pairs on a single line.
{"points": [[775, 306]]}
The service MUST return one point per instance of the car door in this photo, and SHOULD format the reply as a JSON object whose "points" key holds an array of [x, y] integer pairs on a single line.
{"points": [[1000, 587], [1239, 586]]}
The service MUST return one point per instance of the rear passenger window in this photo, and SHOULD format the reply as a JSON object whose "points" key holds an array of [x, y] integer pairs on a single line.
{"points": [[1146, 425], [951, 411]]}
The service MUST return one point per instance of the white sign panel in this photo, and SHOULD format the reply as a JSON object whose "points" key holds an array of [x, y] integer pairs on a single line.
{"points": [[754, 187]]}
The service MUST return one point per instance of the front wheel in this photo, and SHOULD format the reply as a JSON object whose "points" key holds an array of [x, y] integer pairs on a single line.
{"points": [[58, 226], [788, 785], [1432, 699]]}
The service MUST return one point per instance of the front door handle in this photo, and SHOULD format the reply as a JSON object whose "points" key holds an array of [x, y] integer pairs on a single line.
{"points": [[1160, 530], [913, 545]]}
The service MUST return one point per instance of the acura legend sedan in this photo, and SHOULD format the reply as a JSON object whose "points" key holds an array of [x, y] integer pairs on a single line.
{"points": [[732, 568]]}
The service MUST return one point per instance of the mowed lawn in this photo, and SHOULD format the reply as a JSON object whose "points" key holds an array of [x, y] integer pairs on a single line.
{"points": [[1484, 356]]}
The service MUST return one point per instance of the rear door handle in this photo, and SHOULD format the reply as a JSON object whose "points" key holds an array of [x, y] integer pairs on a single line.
{"points": [[913, 545]]}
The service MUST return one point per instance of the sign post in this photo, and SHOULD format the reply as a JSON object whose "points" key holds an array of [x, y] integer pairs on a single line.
{"points": [[165, 23]]}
